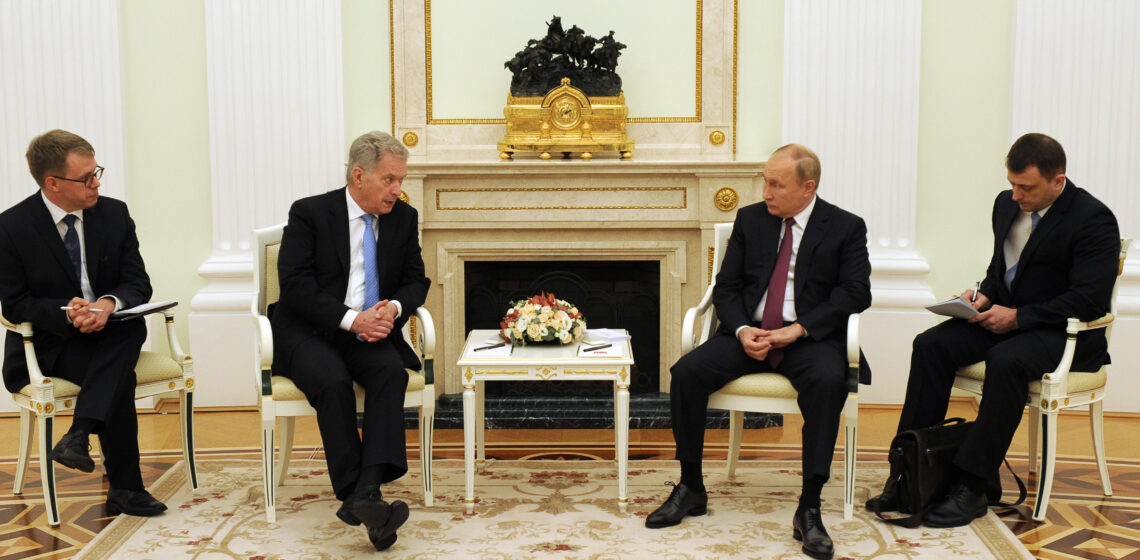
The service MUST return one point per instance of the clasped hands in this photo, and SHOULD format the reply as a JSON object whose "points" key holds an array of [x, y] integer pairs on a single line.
{"points": [[994, 318], [376, 322], [758, 342], [90, 317]]}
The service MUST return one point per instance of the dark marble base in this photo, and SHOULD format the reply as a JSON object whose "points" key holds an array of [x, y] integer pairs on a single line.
{"points": [[648, 410]]}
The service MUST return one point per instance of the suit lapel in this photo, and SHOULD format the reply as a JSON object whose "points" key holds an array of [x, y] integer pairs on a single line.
{"points": [[814, 233], [1054, 216], [92, 243], [338, 224], [383, 244], [41, 222]]}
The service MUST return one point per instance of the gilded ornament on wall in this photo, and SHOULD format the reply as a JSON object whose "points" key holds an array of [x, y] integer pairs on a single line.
{"points": [[726, 199], [411, 139], [716, 138]]}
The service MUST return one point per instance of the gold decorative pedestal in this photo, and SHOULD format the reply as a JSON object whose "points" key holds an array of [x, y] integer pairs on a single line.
{"points": [[566, 121]]}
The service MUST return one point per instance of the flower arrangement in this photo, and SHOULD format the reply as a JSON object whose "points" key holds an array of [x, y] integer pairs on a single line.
{"points": [[542, 318]]}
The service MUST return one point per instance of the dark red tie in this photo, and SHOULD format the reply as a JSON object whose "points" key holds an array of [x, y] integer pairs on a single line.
{"points": [[773, 317]]}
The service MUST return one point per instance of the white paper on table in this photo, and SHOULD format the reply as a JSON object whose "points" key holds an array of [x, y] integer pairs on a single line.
{"points": [[616, 350], [606, 335], [497, 352]]}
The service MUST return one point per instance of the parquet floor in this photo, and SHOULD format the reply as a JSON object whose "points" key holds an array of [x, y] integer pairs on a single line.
{"points": [[1081, 523]]}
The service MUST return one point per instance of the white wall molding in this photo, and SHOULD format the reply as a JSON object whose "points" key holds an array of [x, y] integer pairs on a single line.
{"points": [[275, 86], [61, 67], [851, 94], [1076, 77]]}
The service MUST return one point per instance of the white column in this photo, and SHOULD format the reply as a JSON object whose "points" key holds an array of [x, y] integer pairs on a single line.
{"points": [[275, 88], [851, 83], [59, 68], [1076, 78]]}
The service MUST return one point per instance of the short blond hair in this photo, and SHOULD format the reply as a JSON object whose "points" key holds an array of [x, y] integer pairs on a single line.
{"points": [[47, 153], [807, 163]]}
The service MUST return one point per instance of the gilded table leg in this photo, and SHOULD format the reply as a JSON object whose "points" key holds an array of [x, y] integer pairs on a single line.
{"points": [[469, 445], [622, 451]]}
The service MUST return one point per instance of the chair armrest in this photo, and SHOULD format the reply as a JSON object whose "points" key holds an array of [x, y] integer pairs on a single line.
{"points": [[172, 339], [853, 353], [426, 343], [263, 377], [1056, 383], [691, 337], [35, 374], [426, 332]]}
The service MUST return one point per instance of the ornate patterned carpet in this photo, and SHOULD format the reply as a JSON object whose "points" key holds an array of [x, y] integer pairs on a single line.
{"points": [[526, 510], [1081, 523]]}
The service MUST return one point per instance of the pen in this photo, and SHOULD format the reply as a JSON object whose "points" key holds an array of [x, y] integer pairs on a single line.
{"points": [[977, 286], [593, 348], [499, 345], [69, 308]]}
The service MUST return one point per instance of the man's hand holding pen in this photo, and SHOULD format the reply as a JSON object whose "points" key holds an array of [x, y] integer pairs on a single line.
{"points": [[89, 317]]}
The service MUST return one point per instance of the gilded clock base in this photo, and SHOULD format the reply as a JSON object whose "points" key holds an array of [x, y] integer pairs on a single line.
{"points": [[567, 121]]}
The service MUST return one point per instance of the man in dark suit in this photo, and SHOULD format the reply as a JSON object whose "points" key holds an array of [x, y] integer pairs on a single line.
{"points": [[1055, 256], [351, 272], [795, 268], [68, 259]]}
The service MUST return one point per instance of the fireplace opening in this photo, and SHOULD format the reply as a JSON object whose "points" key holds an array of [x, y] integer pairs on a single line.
{"points": [[612, 294]]}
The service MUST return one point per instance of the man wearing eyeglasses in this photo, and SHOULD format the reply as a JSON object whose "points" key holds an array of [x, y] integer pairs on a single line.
{"points": [[68, 259]]}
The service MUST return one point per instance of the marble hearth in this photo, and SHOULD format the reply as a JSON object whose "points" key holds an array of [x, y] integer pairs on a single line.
{"points": [[572, 210]]}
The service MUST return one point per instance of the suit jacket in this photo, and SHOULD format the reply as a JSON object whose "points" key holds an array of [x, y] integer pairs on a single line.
{"points": [[37, 278], [1067, 268], [833, 271], [313, 268]]}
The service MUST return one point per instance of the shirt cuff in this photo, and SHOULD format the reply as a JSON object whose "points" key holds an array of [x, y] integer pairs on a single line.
{"points": [[348, 319], [399, 308], [738, 329], [118, 302]]}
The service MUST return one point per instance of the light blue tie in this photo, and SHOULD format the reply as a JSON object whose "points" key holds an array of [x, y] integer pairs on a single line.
{"points": [[1009, 274], [371, 271]]}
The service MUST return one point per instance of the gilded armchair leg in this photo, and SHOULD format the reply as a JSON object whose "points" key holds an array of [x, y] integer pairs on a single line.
{"points": [[47, 469], [267, 471], [1096, 421], [1048, 460], [1034, 439], [427, 434], [288, 424], [735, 436], [26, 429], [850, 448], [186, 405]]}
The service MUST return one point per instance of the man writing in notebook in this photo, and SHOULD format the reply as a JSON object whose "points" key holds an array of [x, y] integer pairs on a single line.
{"points": [[795, 268], [1055, 256], [68, 247]]}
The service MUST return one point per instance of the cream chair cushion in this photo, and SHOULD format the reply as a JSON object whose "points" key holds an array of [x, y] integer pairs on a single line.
{"points": [[285, 390], [771, 385], [152, 367], [1078, 380], [272, 286]]}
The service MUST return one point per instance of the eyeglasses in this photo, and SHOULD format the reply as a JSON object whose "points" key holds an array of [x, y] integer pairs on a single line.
{"points": [[87, 181]]}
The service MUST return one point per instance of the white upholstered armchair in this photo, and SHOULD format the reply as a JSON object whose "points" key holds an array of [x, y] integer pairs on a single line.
{"points": [[45, 397], [769, 391], [281, 402]]}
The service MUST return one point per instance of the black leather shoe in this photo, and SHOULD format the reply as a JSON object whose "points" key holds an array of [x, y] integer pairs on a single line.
{"points": [[72, 452], [384, 537], [365, 506], [682, 501], [888, 500], [133, 502], [960, 507], [807, 526]]}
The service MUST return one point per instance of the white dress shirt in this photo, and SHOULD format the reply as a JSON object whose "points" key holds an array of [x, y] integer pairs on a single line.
{"points": [[57, 215], [354, 296]]}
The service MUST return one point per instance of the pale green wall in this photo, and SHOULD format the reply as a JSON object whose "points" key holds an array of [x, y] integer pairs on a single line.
{"points": [[367, 68], [964, 115], [168, 148], [963, 136]]}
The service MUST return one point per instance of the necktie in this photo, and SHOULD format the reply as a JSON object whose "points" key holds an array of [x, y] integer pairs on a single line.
{"points": [[371, 271], [1009, 274], [773, 317], [71, 243]]}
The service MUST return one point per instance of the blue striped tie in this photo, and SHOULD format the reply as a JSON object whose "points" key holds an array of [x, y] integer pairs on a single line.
{"points": [[71, 243], [371, 271]]}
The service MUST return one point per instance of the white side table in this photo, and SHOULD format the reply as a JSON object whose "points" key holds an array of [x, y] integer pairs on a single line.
{"points": [[539, 362]]}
